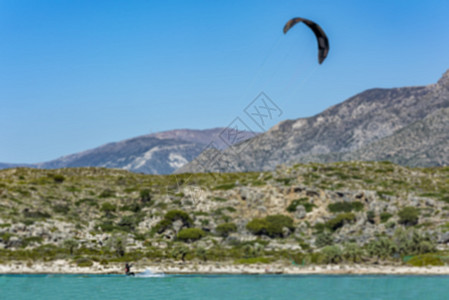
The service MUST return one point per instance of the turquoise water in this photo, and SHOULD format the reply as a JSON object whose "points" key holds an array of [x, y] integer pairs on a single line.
{"points": [[235, 287]]}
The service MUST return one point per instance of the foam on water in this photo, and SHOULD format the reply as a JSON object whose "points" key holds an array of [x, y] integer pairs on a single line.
{"points": [[148, 274]]}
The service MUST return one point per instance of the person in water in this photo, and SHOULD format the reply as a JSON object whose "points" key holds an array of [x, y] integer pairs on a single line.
{"points": [[128, 269]]}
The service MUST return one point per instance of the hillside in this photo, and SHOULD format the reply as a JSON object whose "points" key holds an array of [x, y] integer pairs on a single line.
{"points": [[344, 128], [360, 212], [157, 153]]}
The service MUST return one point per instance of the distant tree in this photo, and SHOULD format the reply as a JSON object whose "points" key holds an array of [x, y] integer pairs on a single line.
{"points": [[71, 245], [225, 229], [117, 243], [145, 196], [179, 252], [408, 216], [332, 255]]}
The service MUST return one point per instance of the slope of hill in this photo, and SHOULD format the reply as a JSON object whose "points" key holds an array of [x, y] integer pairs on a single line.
{"points": [[363, 119], [351, 211], [158, 153]]}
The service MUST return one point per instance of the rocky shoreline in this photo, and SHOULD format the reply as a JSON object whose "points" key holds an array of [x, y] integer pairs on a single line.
{"points": [[65, 267]]}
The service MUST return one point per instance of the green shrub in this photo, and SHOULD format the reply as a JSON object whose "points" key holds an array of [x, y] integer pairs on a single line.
{"points": [[345, 206], [319, 227], [426, 260], [170, 217], [381, 248], [257, 226], [84, 262], [331, 255], [271, 225], [127, 223], [408, 216], [145, 196], [88, 201], [107, 193], [324, 239], [340, 220], [371, 216], [190, 234], [227, 186], [353, 253], [175, 214], [277, 222], [412, 241], [225, 229], [71, 245], [61, 208], [108, 207], [35, 214], [302, 201], [132, 207], [179, 251], [254, 260], [107, 226], [163, 225], [58, 178], [5, 236], [384, 217]]}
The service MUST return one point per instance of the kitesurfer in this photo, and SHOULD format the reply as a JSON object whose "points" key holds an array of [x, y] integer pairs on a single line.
{"points": [[128, 269]]}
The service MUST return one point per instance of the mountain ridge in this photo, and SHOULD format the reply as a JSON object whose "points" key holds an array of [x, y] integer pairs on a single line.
{"points": [[155, 153], [345, 127]]}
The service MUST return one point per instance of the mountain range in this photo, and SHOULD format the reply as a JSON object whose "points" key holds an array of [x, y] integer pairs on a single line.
{"points": [[408, 126], [157, 153]]}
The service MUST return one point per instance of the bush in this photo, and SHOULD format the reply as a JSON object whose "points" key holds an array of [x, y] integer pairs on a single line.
{"points": [[345, 206], [35, 214], [277, 222], [270, 225], [57, 178], [107, 193], [145, 196], [108, 208], [384, 217], [324, 239], [381, 248], [175, 214], [132, 207], [340, 220], [331, 255], [190, 234], [257, 226], [225, 229], [408, 216], [371, 216], [61, 208], [84, 262], [107, 226], [411, 241], [319, 227], [179, 252], [127, 223], [170, 217], [302, 201], [353, 253], [254, 260], [426, 260]]}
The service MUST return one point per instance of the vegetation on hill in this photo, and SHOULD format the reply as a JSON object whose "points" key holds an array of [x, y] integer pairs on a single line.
{"points": [[349, 212]]}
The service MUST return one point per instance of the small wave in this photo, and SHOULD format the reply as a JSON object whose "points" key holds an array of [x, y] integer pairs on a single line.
{"points": [[148, 273]]}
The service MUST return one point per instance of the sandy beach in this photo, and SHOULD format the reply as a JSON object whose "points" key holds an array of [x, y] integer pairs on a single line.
{"points": [[64, 267]]}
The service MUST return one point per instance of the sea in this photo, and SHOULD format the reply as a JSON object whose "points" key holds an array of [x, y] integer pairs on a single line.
{"points": [[234, 287]]}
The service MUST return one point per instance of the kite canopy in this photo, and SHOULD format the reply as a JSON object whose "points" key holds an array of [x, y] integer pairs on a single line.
{"points": [[323, 42]]}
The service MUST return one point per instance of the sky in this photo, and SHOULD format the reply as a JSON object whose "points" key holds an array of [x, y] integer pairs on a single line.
{"points": [[78, 74]]}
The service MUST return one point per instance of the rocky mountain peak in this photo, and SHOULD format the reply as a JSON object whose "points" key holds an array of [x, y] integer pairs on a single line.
{"points": [[444, 80]]}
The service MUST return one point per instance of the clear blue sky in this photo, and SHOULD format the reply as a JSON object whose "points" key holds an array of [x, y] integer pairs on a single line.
{"points": [[78, 74]]}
